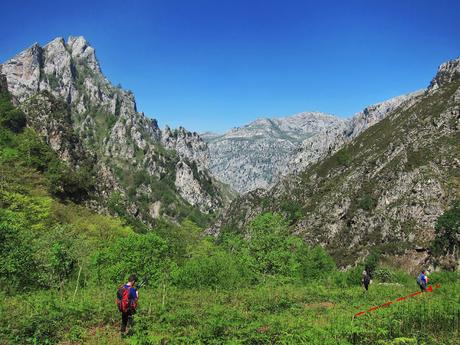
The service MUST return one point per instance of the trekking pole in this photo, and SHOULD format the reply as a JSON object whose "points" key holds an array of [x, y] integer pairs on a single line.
{"points": [[78, 283]]}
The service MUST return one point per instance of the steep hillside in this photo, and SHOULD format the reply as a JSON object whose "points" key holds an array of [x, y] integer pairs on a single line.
{"points": [[330, 141], [382, 191], [139, 168]]}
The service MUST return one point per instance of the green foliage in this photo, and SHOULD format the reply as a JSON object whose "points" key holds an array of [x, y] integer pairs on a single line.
{"points": [[371, 262], [367, 202], [53, 81], [269, 245], [292, 210], [17, 254], [272, 251], [315, 264], [384, 275], [217, 269], [27, 149], [11, 117], [117, 204], [145, 255], [343, 157], [64, 182]]}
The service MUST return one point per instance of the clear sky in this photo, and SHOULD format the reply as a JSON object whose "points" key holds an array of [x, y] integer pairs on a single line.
{"points": [[213, 65]]}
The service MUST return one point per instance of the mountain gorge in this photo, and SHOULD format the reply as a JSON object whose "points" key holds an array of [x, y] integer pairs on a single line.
{"points": [[383, 188], [378, 180], [84, 118]]}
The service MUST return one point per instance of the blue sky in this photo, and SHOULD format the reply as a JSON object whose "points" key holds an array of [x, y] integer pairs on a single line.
{"points": [[213, 65]]}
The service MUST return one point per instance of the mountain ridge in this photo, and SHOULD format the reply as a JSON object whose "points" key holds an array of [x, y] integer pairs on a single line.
{"points": [[124, 141]]}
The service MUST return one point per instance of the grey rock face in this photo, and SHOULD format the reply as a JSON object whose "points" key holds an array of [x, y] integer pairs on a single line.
{"points": [[191, 190], [256, 155], [187, 144], [330, 141], [23, 72], [447, 72]]}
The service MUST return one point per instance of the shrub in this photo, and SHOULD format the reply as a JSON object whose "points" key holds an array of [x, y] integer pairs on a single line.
{"points": [[367, 202], [17, 254], [316, 263], [371, 261], [447, 231], [269, 244], [216, 270], [384, 275], [144, 255], [343, 157], [10, 117]]}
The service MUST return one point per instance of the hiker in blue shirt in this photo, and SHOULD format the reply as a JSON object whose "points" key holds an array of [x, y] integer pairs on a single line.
{"points": [[422, 280]]}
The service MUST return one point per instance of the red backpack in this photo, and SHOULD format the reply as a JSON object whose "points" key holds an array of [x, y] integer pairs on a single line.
{"points": [[123, 302]]}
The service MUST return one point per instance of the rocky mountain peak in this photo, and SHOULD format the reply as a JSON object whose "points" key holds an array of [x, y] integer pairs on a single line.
{"points": [[447, 72], [82, 51]]}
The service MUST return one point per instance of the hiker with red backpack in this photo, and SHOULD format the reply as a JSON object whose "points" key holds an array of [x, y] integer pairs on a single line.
{"points": [[127, 296]]}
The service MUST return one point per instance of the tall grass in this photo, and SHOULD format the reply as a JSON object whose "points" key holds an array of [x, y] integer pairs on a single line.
{"points": [[316, 313]]}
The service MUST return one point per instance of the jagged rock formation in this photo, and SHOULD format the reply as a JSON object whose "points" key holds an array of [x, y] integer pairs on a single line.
{"points": [[384, 189], [75, 108], [327, 142], [255, 155]]}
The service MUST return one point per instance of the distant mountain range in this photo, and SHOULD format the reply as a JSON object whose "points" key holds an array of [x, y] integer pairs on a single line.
{"points": [[258, 154]]}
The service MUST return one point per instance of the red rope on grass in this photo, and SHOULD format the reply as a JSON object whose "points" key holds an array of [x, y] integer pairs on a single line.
{"points": [[387, 304]]}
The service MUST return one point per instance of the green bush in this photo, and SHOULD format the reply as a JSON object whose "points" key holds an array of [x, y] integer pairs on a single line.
{"points": [[367, 202], [215, 270], [316, 263], [448, 231], [145, 255], [10, 117], [269, 245], [343, 157], [67, 183], [371, 262], [17, 254], [384, 275]]}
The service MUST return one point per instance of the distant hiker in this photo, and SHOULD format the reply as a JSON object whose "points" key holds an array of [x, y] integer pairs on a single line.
{"points": [[366, 278], [127, 296], [422, 280]]}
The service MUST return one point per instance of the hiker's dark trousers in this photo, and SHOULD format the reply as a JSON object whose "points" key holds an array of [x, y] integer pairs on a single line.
{"points": [[126, 320]]}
